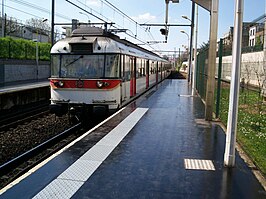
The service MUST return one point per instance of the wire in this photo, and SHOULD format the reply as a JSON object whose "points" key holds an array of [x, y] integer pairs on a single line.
{"points": [[119, 11], [85, 10], [22, 11], [39, 8]]}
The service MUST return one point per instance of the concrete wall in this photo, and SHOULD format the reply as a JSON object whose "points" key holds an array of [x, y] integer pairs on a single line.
{"points": [[23, 70], [251, 68]]}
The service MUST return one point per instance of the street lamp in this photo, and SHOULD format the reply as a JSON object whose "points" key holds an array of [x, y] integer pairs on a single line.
{"points": [[82, 13], [37, 49], [185, 17], [184, 32], [191, 45]]}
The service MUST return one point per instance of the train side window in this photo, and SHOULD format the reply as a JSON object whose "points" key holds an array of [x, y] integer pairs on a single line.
{"points": [[138, 68], [112, 65], [127, 68], [122, 67], [143, 67]]}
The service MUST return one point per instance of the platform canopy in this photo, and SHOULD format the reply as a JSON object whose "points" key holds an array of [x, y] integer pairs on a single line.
{"points": [[207, 4]]}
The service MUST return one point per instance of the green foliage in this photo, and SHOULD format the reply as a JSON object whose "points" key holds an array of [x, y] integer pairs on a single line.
{"points": [[251, 126], [23, 49]]}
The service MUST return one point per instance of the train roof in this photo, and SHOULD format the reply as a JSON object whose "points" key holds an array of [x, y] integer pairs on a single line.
{"points": [[90, 40]]}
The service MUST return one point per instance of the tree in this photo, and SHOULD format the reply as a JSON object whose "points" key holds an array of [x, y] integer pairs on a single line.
{"points": [[39, 24]]}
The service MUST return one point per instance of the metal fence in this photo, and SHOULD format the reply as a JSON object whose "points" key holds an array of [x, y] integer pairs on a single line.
{"points": [[23, 49], [251, 125], [253, 75]]}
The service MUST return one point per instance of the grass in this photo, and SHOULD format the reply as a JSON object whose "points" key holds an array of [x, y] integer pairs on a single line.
{"points": [[251, 128]]}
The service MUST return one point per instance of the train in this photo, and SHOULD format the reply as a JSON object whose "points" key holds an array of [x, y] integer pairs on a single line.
{"points": [[95, 71]]}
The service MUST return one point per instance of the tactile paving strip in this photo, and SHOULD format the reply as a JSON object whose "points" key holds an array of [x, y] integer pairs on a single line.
{"points": [[197, 164], [59, 188], [80, 171]]}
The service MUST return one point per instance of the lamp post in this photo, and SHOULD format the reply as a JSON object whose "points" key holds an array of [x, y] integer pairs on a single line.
{"points": [[82, 13], [184, 32], [191, 39], [185, 17], [37, 49], [37, 56], [193, 67], [195, 53]]}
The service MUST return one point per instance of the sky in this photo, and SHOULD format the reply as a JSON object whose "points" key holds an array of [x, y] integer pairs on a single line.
{"points": [[142, 12]]}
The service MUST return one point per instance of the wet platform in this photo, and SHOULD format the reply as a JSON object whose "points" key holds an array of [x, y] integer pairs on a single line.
{"points": [[158, 147]]}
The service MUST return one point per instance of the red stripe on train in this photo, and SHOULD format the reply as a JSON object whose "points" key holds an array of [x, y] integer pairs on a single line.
{"points": [[85, 84]]}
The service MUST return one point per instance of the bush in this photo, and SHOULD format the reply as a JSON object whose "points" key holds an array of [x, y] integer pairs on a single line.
{"points": [[23, 49]]}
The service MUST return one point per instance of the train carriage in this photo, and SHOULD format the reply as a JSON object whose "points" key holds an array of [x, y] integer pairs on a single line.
{"points": [[96, 71]]}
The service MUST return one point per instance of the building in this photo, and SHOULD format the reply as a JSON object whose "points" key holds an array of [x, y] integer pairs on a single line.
{"points": [[256, 31], [15, 29]]}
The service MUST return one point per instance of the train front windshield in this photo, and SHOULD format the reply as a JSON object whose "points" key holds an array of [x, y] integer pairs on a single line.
{"points": [[85, 66]]}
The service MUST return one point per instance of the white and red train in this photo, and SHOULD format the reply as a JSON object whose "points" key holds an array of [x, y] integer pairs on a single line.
{"points": [[94, 70]]}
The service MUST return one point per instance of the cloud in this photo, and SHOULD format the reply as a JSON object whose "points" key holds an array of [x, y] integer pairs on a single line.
{"points": [[146, 17], [93, 3]]}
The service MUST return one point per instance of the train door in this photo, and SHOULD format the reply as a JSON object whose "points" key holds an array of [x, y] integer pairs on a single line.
{"points": [[123, 79], [147, 74], [133, 76]]}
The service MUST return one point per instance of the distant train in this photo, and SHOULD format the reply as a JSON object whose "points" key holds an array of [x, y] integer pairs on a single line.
{"points": [[95, 71]]}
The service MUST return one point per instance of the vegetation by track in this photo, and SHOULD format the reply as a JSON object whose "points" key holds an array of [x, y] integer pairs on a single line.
{"points": [[251, 128]]}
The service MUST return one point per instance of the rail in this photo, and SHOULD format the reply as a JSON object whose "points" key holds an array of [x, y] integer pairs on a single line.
{"points": [[12, 164]]}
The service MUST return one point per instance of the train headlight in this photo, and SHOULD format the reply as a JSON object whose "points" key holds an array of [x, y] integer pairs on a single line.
{"points": [[100, 84], [59, 84]]}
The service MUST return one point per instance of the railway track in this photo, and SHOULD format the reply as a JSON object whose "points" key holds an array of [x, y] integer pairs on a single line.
{"points": [[10, 120], [22, 163]]}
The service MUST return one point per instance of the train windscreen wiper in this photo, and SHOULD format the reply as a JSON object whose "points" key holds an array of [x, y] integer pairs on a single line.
{"points": [[81, 56]]}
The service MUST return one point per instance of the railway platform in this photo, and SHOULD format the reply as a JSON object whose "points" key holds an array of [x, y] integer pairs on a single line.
{"points": [[24, 85], [16, 95], [157, 147]]}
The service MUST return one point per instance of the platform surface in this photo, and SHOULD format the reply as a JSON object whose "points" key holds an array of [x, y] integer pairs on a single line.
{"points": [[157, 147], [25, 85]]}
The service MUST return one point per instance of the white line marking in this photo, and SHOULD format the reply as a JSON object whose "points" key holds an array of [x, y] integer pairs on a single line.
{"points": [[86, 165]]}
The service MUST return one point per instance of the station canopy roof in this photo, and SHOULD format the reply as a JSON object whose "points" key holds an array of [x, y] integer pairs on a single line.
{"points": [[207, 4]]}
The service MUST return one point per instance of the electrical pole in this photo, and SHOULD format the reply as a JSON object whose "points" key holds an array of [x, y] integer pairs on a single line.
{"points": [[229, 155], [195, 53], [191, 42], [52, 22], [3, 18]]}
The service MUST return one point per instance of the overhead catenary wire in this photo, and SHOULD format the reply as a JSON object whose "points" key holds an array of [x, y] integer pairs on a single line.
{"points": [[92, 12], [36, 7]]}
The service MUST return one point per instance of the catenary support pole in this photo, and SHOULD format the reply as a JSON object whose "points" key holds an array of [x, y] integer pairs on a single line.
{"points": [[229, 155], [191, 42], [3, 18], [212, 61], [195, 52], [52, 22]]}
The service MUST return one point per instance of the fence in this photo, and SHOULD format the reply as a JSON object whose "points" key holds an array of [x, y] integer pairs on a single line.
{"points": [[252, 106], [23, 49]]}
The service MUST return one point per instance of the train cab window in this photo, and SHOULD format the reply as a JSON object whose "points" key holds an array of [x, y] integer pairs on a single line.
{"points": [[77, 66], [55, 65]]}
